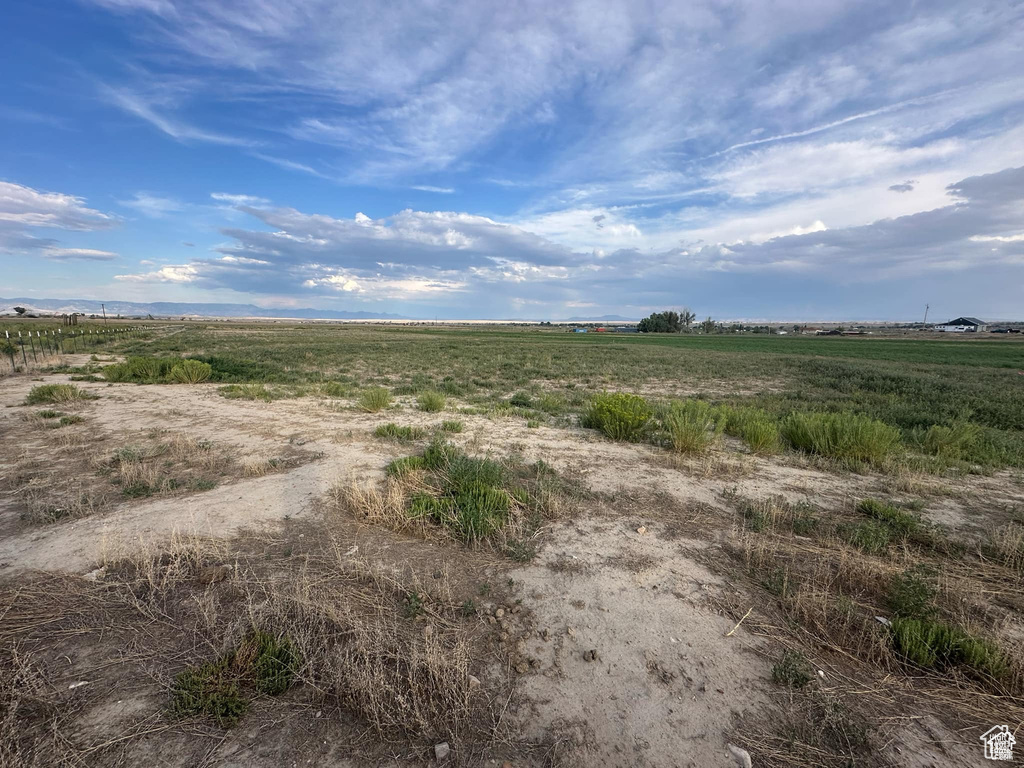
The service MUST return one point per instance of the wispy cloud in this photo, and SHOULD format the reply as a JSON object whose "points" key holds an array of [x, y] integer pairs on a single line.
{"points": [[153, 206]]}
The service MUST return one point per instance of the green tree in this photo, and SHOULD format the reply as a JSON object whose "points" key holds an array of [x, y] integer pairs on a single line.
{"points": [[661, 322], [708, 326]]}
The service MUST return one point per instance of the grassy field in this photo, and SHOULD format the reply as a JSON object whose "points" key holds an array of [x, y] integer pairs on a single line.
{"points": [[421, 495], [951, 400]]}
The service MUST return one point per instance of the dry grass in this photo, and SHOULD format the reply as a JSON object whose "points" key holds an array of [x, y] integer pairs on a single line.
{"points": [[820, 596], [382, 646]]}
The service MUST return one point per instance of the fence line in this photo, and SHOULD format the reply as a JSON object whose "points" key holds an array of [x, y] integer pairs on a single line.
{"points": [[56, 343]]}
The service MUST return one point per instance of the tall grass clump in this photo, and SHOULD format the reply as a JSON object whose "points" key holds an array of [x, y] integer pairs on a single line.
{"points": [[392, 431], [844, 436], [375, 399], [56, 393], [934, 644], [892, 517], [755, 427], [431, 401], [692, 425], [618, 415], [191, 372]]}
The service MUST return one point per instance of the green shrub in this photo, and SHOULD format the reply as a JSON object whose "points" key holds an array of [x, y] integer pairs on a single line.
{"points": [[56, 393], [394, 432], [521, 400], [49, 414], [209, 690], [692, 425], [934, 644], [431, 401], [219, 689], [73, 418], [471, 497], [868, 536], [117, 373], [952, 442], [792, 670], [452, 426], [845, 436], [375, 399], [403, 466], [911, 594], [335, 389], [756, 427], [191, 372], [618, 415], [896, 520]]}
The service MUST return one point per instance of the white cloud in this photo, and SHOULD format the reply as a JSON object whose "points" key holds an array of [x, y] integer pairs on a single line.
{"points": [[153, 206], [24, 209], [224, 197]]}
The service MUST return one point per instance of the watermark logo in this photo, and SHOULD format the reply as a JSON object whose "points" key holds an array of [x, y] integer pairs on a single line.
{"points": [[998, 743]]}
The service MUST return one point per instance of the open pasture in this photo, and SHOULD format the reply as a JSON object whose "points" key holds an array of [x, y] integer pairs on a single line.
{"points": [[271, 543]]}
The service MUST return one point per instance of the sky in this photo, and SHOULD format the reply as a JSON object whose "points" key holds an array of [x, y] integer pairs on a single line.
{"points": [[788, 160]]}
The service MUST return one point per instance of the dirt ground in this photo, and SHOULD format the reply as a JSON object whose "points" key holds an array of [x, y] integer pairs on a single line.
{"points": [[629, 640]]}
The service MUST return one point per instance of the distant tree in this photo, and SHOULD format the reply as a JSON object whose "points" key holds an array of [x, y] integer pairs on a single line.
{"points": [[687, 317], [661, 322], [20, 310], [708, 326]]}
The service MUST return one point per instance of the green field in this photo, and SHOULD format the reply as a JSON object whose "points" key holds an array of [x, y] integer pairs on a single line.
{"points": [[972, 390]]}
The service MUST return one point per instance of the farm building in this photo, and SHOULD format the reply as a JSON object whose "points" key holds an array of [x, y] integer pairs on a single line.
{"points": [[962, 325]]}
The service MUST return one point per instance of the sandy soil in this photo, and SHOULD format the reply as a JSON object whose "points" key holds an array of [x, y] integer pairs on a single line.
{"points": [[666, 680]]}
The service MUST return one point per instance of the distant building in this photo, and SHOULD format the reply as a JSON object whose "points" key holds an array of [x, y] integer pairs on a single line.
{"points": [[962, 325], [579, 330], [627, 329]]}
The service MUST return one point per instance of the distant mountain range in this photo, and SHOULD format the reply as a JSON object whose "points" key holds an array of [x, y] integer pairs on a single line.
{"points": [[180, 309]]}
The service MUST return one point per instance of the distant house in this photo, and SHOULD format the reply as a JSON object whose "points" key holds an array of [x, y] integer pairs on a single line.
{"points": [[579, 330], [962, 325]]}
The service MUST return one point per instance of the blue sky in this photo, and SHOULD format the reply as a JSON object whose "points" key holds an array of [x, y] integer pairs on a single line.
{"points": [[787, 160]]}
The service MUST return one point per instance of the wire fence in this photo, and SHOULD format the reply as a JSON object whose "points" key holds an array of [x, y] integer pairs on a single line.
{"points": [[32, 347]]}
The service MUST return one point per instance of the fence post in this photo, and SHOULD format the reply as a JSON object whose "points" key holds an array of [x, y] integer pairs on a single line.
{"points": [[10, 351], [21, 344]]}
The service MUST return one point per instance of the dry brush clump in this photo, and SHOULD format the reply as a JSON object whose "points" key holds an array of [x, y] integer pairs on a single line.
{"points": [[447, 492], [907, 616], [397, 651]]}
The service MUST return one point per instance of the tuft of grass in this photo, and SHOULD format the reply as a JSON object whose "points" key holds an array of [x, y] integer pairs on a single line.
{"points": [[70, 419], [252, 391], [453, 426], [792, 670], [335, 389], [692, 425], [57, 393], [933, 644], [392, 431], [375, 399], [912, 594], [896, 520], [844, 436], [431, 401], [49, 414], [405, 465], [191, 372], [868, 536], [756, 427], [220, 689], [618, 415]]}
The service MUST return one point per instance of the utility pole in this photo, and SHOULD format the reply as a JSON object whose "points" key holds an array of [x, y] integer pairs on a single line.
{"points": [[104, 308], [926, 308]]}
